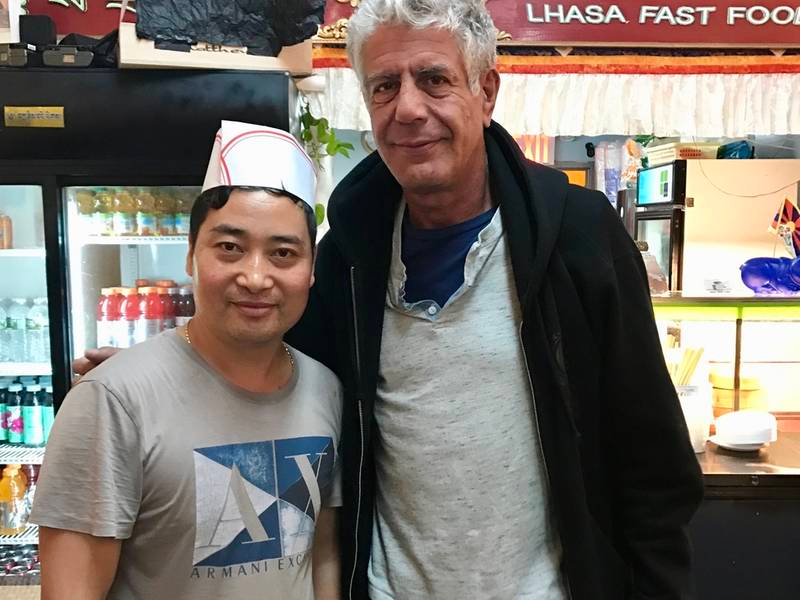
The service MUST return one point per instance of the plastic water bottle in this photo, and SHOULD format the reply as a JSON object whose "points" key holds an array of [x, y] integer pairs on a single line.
{"points": [[37, 326], [4, 347], [15, 328]]}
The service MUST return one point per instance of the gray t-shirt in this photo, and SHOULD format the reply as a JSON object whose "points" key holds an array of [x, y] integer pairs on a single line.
{"points": [[462, 506], [213, 489]]}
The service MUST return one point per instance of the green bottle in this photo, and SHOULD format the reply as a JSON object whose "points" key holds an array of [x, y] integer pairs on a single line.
{"points": [[48, 412], [32, 424], [3, 417], [14, 410]]}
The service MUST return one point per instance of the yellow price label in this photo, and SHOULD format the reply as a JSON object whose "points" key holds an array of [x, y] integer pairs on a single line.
{"points": [[34, 116]]}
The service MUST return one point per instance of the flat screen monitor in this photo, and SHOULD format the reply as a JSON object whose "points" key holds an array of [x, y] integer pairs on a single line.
{"points": [[656, 185]]}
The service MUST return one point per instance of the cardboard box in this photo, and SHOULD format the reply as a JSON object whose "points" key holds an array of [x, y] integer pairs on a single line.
{"points": [[140, 53]]}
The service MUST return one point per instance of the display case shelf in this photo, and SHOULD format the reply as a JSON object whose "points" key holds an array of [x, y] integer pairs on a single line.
{"points": [[23, 253], [22, 455], [25, 369], [727, 308], [29, 536], [132, 240]]}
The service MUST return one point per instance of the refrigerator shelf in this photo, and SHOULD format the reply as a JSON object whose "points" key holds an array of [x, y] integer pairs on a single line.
{"points": [[27, 537], [31, 592], [20, 455], [25, 369], [133, 240], [23, 253]]}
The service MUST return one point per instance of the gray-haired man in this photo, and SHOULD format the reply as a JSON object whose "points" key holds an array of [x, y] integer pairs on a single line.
{"points": [[510, 430]]}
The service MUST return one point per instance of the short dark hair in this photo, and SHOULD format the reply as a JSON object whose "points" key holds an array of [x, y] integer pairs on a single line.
{"points": [[217, 197]]}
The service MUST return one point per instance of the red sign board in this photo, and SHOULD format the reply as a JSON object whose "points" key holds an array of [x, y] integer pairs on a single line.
{"points": [[731, 23], [89, 17]]}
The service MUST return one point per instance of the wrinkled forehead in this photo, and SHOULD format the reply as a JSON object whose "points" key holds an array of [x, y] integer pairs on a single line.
{"points": [[398, 48]]}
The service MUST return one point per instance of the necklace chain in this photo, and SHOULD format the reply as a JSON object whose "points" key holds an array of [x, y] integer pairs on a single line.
{"points": [[285, 346]]}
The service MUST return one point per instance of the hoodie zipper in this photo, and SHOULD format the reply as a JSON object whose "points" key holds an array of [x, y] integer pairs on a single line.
{"points": [[538, 430], [360, 423]]}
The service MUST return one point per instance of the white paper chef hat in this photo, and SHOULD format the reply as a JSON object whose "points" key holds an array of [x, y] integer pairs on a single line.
{"points": [[254, 155]]}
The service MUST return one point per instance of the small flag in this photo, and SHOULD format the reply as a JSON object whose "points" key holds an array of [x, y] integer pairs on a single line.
{"points": [[786, 224]]}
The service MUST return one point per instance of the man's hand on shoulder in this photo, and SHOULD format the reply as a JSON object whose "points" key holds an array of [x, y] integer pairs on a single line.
{"points": [[92, 357]]}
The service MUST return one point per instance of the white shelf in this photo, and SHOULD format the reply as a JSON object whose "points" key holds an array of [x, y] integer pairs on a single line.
{"points": [[26, 369], [29, 536], [133, 240], [23, 253], [11, 454]]}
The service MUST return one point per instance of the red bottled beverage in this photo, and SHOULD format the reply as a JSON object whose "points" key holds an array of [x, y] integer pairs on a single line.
{"points": [[167, 308], [184, 308], [131, 311], [115, 315], [103, 322], [108, 317], [152, 311]]}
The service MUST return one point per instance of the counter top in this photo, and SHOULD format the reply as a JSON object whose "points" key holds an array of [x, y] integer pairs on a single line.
{"points": [[779, 458]]}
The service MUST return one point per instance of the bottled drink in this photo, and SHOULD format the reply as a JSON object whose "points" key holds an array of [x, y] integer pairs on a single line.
{"points": [[114, 314], [48, 412], [32, 423], [184, 309], [103, 212], [183, 209], [151, 310], [140, 283], [14, 411], [165, 211], [31, 473], [6, 232], [85, 202], [15, 326], [4, 384], [37, 331], [167, 307], [108, 316], [124, 213], [13, 516], [145, 213], [103, 324], [134, 325], [5, 355]]}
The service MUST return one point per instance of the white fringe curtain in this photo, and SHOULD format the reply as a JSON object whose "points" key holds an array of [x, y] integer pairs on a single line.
{"points": [[574, 104]]}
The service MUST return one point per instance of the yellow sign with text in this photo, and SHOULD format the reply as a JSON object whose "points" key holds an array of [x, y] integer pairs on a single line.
{"points": [[34, 116]]}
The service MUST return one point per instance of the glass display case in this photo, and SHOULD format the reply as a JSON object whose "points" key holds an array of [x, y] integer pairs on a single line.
{"points": [[750, 350], [746, 532]]}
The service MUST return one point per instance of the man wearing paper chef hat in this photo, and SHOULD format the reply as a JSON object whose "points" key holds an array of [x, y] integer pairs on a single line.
{"points": [[214, 444]]}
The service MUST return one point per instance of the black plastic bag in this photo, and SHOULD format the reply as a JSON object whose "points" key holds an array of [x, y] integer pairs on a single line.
{"points": [[104, 49], [263, 26]]}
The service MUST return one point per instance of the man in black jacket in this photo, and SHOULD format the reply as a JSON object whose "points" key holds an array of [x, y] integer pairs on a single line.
{"points": [[510, 429]]}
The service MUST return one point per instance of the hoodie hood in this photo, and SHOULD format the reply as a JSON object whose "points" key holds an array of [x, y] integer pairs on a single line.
{"points": [[531, 196]]}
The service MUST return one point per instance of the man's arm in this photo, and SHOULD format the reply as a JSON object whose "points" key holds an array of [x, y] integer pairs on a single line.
{"points": [[325, 562], [658, 483], [91, 358], [76, 566]]}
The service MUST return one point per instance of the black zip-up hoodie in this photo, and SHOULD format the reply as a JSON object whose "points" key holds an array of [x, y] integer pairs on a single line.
{"points": [[623, 478]]}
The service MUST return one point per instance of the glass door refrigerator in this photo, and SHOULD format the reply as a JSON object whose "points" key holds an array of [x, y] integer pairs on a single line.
{"points": [[98, 173], [26, 366]]}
